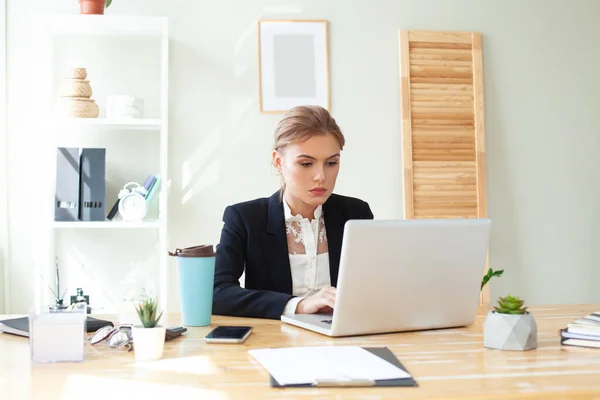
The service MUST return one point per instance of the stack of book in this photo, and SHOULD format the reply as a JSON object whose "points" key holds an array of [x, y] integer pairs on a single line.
{"points": [[584, 332]]}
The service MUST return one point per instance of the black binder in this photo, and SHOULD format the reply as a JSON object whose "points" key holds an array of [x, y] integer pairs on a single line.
{"points": [[20, 326], [381, 352], [92, 186]]}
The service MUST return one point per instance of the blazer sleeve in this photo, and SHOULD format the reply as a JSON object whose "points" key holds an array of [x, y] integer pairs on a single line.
{"points": [[229, 298]]}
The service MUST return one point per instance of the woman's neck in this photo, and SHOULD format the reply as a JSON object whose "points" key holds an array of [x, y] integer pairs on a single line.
{"points": [[297, 206]]}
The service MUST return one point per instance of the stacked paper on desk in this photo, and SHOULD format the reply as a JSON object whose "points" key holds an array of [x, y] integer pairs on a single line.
{"points": [[584, 332], [301, 365]]}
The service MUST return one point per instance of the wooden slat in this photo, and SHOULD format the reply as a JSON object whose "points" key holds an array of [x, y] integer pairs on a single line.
{"points": [[406, 124], [440, 37], [422, 145], [441, 63], [450, 80], [442, 113], [421, 71], [440, 101], [448, 89], [480, 143], [458, 180], [466, 214], [437, 122], [444, 130], [445, 166], [437, 193], [479, 124], [440, 54], [446, 188], [438, 45], [444, 157]]}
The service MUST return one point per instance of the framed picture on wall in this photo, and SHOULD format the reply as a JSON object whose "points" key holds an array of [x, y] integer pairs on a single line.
{"points": [[293, 64]]}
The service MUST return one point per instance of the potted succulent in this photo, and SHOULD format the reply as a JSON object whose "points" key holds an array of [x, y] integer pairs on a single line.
{"points": [[93, 6], [148, 339], [509, 326]]}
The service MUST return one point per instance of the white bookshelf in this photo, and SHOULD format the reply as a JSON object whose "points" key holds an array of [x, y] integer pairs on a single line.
{"points": [[107, 25], [138, 145], [151, 224], [105, 123]]}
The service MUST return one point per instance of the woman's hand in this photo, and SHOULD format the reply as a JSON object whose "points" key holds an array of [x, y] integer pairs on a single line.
{"points": [[322, 301]]}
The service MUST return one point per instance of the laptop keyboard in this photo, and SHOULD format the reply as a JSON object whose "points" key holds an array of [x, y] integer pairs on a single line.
{"points": [[327, 321]]}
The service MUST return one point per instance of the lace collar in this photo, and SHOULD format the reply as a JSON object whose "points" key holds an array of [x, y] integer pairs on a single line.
{"points": [[287, 212]]}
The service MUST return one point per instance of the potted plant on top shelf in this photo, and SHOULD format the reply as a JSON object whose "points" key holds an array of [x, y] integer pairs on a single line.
{"points": [[509, 326], [93, 6], [148, 339]]}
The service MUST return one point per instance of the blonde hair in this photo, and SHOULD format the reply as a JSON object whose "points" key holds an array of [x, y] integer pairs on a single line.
{"points": [[303, 122]]}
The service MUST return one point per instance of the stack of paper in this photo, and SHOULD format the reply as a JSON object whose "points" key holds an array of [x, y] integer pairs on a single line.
{"points": [[584, 332], [302, 365]]}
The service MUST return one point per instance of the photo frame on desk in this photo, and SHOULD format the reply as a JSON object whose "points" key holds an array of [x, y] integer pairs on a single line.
{"points": [[293, 64]]}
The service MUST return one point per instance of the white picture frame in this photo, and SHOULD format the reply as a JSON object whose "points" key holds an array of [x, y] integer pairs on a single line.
{"points": [[293, 64]]}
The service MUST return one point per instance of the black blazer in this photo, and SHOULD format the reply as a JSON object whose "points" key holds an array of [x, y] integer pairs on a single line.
{"points": [[254, 237]]}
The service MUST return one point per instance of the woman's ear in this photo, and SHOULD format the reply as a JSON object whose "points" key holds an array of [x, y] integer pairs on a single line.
{"points": [[276, 160]]}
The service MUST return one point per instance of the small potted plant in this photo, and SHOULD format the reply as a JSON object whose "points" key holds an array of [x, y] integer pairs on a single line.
{"points": [[509, 326], [93, 6], [148, 339]]}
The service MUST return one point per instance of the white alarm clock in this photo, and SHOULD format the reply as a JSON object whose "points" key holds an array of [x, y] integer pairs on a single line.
{"points": [[132, 204]]}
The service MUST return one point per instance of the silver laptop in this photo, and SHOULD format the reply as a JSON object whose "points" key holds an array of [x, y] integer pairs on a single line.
{"points": [[405, 275]]}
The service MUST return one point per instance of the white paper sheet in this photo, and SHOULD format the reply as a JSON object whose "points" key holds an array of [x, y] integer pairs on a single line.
{"points": [[301, 365]]}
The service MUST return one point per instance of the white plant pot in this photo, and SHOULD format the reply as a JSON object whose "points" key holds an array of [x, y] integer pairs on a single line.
{"points": [[510, 331], [148, 343]]}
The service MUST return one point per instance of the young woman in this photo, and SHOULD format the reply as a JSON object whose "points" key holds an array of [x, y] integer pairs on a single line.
{"points": [[289, 244]]}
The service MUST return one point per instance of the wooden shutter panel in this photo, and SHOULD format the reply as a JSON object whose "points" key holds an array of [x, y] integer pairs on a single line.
{"points": [[443, 137]]}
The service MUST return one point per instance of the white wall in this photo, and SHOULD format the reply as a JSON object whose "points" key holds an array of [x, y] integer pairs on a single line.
{"points": [[3, 183], [541, 86]]}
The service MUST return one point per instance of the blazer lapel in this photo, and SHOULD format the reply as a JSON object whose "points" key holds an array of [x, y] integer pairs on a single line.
{"points": [[275, 247], [334, 227]]}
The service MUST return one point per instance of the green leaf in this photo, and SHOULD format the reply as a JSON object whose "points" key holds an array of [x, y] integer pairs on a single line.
{"points": [[490, 274], [108, 2]]}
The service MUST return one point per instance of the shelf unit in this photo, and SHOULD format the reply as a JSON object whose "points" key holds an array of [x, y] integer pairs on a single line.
{"points": [[87, 31], [151, 224], [105, 123]]}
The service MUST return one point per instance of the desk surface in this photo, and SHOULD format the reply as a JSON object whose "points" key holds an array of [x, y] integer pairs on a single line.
{"points": [[447, 364]]}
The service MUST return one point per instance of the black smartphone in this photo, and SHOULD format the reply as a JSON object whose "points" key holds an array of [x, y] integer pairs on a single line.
{"points": [[228, 334]]}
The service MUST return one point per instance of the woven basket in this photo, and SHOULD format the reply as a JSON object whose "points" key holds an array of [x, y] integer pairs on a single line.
{"points": [[75, 88], [77, 107], [77, 73]]}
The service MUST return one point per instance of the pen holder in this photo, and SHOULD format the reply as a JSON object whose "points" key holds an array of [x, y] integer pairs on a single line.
{"points": [[58, 335]]}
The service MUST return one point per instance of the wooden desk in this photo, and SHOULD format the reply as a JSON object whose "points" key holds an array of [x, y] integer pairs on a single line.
{"points": [[447, 364]]}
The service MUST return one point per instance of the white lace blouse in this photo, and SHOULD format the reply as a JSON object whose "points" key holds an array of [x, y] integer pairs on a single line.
{"points": [[309, 255]]}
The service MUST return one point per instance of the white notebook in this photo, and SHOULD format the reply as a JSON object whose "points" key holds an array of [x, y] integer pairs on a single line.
{"points": [[307, 365]]}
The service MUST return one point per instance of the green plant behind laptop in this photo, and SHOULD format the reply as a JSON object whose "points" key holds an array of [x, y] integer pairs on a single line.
{"points": [[146, 310], [490, 274], [510, 305]]}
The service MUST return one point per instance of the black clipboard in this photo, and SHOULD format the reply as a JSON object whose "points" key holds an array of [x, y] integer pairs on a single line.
{"points": [[381, 352]]}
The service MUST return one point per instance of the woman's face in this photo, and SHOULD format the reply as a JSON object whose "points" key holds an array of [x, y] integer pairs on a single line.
{"points": [[309, 168]]}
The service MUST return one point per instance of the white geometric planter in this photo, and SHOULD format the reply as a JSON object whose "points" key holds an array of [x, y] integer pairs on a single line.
{"points": [[509, 331], [148, 343]]}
